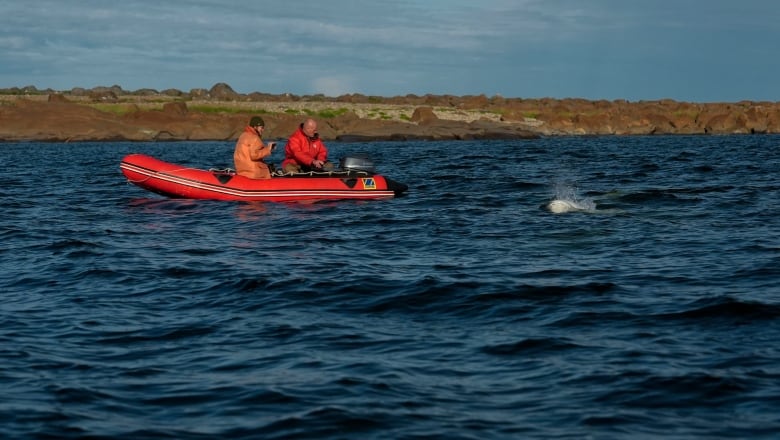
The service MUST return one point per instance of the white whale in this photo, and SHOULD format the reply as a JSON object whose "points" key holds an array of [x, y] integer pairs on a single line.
{"points": [[559, 206]]}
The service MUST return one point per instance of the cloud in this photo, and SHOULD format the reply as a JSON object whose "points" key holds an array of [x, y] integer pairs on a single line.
{"points": [[509, 47]]}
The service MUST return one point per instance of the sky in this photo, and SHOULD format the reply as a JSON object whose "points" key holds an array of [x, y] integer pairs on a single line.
{"points": [[686, 50]]}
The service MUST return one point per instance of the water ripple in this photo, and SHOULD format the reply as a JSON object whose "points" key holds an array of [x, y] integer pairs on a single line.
{"points": [[463, 310]]}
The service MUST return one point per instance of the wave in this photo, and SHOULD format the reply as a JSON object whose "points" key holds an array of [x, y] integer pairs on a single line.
{"points": [[651, 391], [726, 310], [531, 346]]}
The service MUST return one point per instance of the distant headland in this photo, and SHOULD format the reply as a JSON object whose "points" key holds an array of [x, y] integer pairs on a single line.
{"points": [[220, 113]]}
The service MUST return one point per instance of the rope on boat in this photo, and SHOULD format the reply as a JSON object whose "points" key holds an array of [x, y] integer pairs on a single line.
{"points": [[336, 173], [222, 170], [277, 173]]}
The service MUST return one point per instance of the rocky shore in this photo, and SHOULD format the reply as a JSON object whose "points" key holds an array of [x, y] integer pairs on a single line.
{"points": [[219, 113]]}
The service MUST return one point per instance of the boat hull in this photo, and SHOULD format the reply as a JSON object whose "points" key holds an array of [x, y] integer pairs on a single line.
{"points": [[176, 181]]}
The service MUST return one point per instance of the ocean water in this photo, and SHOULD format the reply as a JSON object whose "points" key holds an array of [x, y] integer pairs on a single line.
{"points": [[463, 310]]}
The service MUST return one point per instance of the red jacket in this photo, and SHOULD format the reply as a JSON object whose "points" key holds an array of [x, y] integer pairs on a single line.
{"points": [[302, 150]]}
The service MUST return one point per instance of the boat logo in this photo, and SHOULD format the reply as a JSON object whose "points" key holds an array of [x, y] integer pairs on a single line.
{"points": [[369, 183]]}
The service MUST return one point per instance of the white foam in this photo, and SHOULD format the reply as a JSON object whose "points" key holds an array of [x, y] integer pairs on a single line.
{"points": [[559, 206]]}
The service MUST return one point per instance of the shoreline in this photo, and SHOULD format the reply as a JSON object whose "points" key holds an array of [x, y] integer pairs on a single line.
{"points": [[220, 114]]}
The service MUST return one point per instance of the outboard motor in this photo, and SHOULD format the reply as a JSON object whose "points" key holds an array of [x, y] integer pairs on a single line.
{"points": [[357, 163]]}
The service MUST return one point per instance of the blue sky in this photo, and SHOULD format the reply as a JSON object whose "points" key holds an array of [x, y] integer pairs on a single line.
{"points": [[688, 50]]}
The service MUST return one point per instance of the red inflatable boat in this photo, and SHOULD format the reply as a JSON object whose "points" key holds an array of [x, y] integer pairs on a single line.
{"points": [[354, 179]]}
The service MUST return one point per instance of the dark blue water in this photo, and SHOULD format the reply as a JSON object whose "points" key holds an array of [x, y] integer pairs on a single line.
{"points": [[464, 310]]}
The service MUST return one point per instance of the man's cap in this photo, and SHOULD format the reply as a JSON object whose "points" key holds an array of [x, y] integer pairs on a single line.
{"points": [[256, 121]]}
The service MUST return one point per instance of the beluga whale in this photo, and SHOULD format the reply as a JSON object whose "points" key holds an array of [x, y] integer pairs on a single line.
{"points": [[560, 206]]}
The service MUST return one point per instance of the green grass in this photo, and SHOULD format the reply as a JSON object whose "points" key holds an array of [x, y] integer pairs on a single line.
{"points": [[326, 113], [332, 113], [117, 109]]}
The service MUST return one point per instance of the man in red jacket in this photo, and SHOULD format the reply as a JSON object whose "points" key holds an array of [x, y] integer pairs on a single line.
{"points": [[305, 151]]}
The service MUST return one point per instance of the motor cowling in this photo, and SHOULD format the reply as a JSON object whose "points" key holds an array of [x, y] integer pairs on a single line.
{"points": [[357, 163]]}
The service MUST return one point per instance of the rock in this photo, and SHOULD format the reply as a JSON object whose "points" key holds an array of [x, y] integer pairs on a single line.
{"points": [[474, 102], [115, 89], [424, 116], [223, 92], [724, 123], [773, 120], [68, 116], [58, 97], [757, 119], [177, 108], [146, 92], [199, 94], [172, 92], [103, 96], [346, 121]]}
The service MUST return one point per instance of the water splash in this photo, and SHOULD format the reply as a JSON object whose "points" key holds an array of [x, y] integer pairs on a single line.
{"points": [[565, 199]]}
